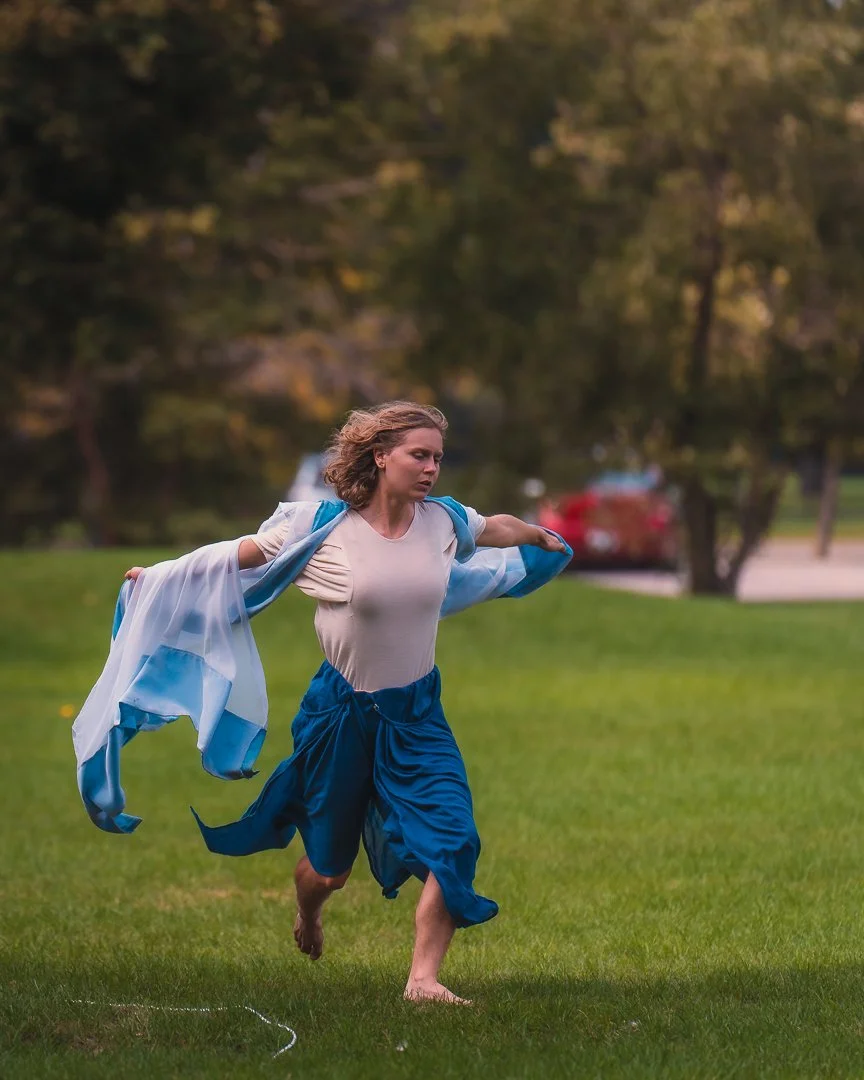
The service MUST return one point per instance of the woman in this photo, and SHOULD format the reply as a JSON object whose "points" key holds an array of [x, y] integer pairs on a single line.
{"points": [[373, 755]]}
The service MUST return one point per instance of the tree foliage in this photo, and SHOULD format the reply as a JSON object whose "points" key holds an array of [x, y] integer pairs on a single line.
{"points": [[132, 137], [643, 224], [633, 224]]}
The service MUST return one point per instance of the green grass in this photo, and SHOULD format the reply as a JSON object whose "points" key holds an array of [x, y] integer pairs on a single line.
{"points": [[671, 803], [797, 516], [799, 529]]}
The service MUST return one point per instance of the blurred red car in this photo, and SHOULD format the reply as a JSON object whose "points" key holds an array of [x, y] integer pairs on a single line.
{"points": [[621, 519]]}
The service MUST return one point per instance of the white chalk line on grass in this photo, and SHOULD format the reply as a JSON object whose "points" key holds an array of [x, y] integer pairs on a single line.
{"points": [[194, 1009]]}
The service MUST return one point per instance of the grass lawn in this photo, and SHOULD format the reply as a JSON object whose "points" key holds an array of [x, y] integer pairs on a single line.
{"points": [[671, 802], [795, 529], [798, 516]]}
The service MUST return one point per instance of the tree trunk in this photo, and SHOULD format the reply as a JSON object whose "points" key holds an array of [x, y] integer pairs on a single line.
{"points": [[698, 506], [95, 496], [710, 248], [699, 511], [829, 498], [755, 517], [712, 572]]}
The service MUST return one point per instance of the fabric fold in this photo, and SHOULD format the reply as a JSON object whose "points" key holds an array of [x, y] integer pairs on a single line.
{"points": [[383, 766]]}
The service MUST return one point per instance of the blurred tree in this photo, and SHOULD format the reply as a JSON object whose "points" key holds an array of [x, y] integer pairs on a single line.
{"points": [[731, 300], [477, 242], [641, 224], [223, 222], [127, 129]]}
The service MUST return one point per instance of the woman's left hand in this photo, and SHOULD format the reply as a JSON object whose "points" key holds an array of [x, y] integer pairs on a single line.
{"points": [[549, 541]]}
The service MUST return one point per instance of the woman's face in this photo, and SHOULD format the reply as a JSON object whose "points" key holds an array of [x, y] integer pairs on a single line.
{"points": [[411, 468]]}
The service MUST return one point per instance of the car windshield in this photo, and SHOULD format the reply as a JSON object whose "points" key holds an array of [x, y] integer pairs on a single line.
{"points": [[308, 483], [625, 482], [311, 470]]}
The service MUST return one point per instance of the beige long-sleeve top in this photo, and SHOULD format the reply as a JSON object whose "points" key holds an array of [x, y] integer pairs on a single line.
{"points": [[379, 600]]}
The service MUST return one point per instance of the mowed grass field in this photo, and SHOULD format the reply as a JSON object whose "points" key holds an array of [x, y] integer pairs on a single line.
{"points": [[671, 803], [797, 515]]}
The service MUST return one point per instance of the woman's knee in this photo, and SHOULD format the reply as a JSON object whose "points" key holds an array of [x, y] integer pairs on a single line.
{"points": [[337, 882]]}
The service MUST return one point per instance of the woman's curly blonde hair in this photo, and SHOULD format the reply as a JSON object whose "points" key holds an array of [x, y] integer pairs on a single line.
{"points": [[351, 467]]}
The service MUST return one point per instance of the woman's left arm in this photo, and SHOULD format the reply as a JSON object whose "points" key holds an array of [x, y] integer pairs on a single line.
{"points": [[504, 530]]}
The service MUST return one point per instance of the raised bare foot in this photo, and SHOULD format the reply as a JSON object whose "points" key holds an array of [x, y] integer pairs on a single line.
{"points": [[431, 990], [309, 935]]}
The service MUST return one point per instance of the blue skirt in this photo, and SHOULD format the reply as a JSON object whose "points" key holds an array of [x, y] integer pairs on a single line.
{"points": [[380, 766]]}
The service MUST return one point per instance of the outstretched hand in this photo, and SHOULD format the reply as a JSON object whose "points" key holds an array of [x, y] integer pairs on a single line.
{"points": [[549, 541], [132, 573]]}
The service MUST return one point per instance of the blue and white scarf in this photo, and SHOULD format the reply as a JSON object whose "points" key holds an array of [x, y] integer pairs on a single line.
{"points": [[183, 646]]}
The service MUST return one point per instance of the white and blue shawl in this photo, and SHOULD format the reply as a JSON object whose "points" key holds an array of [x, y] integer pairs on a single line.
{"points": [[182, 645]]}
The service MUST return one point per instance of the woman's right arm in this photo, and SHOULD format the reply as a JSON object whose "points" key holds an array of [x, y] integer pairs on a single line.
{"points": [[249, 556]]}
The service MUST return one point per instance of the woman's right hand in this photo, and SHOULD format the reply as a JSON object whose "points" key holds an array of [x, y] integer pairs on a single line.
{"points": [[132, 573]]}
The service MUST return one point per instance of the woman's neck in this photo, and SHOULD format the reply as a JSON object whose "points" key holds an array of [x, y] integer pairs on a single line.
{"points": [[388, 514]]}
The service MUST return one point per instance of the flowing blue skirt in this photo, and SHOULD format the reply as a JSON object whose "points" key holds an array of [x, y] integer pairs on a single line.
{"points": [[380, 766]]}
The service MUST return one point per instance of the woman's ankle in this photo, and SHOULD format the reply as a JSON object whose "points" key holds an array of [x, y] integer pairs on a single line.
{"points": [[422, 979]]}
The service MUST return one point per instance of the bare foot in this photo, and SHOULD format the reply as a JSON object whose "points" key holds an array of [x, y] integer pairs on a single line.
{"points": [[430, 990], [309, 935]]}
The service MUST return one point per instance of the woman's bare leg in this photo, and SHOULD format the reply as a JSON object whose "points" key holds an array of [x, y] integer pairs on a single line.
{"points": [[434, 931], [313, 889]]}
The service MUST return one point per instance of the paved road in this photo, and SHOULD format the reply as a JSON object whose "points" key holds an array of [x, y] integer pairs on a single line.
{"points": [[782, 570]]}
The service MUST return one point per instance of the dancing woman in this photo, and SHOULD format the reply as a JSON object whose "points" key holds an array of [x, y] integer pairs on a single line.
{"points": [[374, 758]]}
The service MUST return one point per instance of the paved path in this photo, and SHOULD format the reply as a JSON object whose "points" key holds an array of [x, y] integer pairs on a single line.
{"points": [[782, 570]]}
